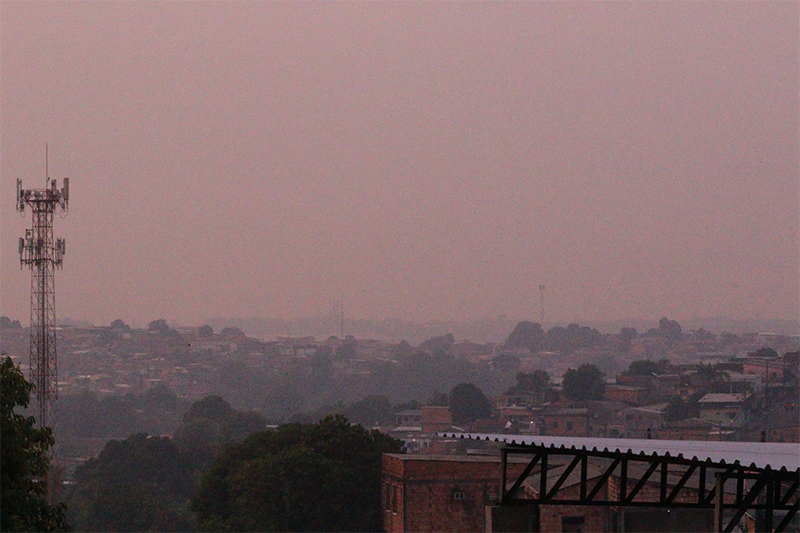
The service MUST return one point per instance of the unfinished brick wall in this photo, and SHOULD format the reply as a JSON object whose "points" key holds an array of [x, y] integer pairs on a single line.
{"points": [[439, 493]]}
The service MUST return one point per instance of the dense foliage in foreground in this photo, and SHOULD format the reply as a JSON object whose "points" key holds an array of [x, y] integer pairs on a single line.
{"points": [[301, 477], [25, 465]]}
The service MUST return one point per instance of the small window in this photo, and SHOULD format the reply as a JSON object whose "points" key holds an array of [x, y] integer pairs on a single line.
{"points": [[569, 425], [573, 524], [458, 495]]}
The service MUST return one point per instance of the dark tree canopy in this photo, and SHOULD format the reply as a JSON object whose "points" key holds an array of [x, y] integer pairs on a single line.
{"points": [[443, 343], [346, 351], [205, 331], [585, 383], [118, 324], [678, 409], [505, 363], [626, 335], [468, 403], [766, 353], [370, 411], [211, 423], [574, 336], [670, 329], [301, 477], [232, 332], [531, 382], [23, 493], [160, 326], [139, 484], [6, 322], [526, 335], [642, 367], [213, 408], [438, 398]]}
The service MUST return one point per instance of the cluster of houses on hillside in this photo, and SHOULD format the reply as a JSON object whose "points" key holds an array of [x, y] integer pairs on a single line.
{"points": [[759, 404], [736, 392]]}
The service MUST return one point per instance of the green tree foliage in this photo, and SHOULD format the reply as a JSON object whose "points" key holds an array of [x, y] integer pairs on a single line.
{"points": [[626, 335], [678, 409], [557, 339], [669, 329], [209, 424], [506, 363], [87, 415], [23, 487], [571, 338], [205, 331], [532, 384], [526, 335], [402, 350], [139, 484], [407, 406], [535, 382], [642, 367], [6, 322], [119, 325], [159, 326], [213, 408], [232, 332], [585, 383], [301, 477], [439, 398], [646, 367], [709, 377], [766, 352], [468, 403], [370, 411], [347, 350], [434, 345], [422, 374]]}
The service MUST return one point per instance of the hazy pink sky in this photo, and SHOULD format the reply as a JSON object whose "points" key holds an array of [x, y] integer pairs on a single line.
{"points": [[418, 160]]}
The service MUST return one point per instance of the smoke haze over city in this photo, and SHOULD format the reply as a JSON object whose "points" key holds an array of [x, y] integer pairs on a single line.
{"points": [[412, 160]]}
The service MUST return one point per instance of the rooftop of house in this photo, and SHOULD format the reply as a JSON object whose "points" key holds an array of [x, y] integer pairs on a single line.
{"points": [[723, 397]]}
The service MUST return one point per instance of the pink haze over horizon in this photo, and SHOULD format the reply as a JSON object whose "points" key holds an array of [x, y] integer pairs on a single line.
{"points": [[417, 160]]}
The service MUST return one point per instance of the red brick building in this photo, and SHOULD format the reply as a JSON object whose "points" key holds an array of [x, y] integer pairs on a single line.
{"points": [[438, 492]]}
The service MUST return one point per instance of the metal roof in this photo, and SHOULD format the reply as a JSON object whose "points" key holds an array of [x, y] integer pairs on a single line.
{"points": [[775, 455]]}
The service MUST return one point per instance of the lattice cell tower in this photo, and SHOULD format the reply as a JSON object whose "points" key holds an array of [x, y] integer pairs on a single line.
{"points": [[43, 255]]}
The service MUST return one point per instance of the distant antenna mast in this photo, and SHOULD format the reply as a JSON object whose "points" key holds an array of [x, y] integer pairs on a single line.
{"points": [[43, 255], [541, 303]]}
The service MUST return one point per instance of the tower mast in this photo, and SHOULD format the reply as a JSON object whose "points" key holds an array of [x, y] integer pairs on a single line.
{"points": [[541, 301], [39, 251]]}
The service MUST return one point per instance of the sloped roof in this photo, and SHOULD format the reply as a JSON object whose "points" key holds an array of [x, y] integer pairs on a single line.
{"points": [[775, 455]]}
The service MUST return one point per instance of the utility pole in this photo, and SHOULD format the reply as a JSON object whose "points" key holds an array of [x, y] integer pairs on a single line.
{"points": [[43, 255], [541, 303]]}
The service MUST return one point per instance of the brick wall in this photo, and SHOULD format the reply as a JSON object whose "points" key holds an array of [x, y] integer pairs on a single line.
{"points": [[439, 493]]}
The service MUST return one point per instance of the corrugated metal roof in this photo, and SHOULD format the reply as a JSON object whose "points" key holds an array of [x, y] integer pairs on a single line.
{"points": [[776, 455]]}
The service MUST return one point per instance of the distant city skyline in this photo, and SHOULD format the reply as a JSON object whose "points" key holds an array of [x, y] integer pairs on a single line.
{"points": [[423, 161]]}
